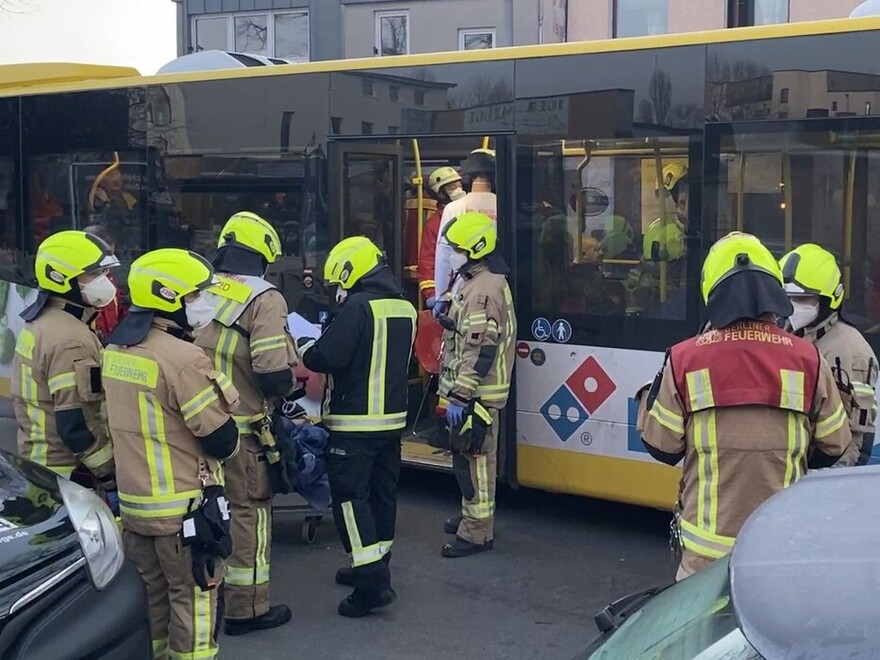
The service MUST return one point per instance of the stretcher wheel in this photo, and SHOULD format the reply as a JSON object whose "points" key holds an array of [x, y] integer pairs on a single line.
{"points": [[309, 530]]}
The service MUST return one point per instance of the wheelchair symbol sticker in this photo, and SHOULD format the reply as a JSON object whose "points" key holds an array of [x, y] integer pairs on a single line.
{"points": [[541, 329], [561, 331]]}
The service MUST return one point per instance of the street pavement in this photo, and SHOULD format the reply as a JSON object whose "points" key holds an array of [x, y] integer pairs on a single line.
{"points": [[557, 561]]}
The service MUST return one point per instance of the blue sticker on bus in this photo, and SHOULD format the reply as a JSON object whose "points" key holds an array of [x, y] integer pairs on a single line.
{"points": [[541, 329], [561, 331]]}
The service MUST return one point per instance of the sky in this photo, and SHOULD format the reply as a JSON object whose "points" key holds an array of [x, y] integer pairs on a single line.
{"points": [[138, 33]]}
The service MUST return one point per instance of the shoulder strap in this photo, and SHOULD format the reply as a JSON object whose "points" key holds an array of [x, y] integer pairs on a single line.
{"points": [[236, 292]]}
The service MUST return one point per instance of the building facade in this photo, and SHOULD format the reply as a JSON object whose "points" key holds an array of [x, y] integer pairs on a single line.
{"points": [[605, 19], [304, 30]]}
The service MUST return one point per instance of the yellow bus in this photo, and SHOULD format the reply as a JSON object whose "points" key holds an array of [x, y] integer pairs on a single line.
{"points": [[618, 164]]}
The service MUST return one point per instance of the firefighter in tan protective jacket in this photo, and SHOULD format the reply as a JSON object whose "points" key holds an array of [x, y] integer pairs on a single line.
{"points": [[748, 406], [170, 413], [815, 288], [55, 385], [475, 374], [249, 342]]}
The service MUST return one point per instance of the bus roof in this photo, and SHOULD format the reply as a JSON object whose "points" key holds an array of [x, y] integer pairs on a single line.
{"points": [[17, 76], [47, 84]]}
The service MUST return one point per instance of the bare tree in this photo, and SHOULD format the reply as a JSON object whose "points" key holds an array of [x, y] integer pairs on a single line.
{"points": [[16, 6], [482, 90], [660, 90]]}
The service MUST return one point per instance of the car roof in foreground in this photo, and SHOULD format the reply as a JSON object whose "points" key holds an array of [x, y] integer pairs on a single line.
{"points": [[805, 568]]}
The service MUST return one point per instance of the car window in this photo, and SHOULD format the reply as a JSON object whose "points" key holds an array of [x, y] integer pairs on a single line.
{"points": [[692, 620]]}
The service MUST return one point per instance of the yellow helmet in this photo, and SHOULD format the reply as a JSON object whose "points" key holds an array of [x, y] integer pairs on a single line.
{"points": [[64, 256], [442, 176], [672, 175], [812, 270], [664, 241], [735, 253], [473, 233], [350, 260], [159, 280], [251, 232]]}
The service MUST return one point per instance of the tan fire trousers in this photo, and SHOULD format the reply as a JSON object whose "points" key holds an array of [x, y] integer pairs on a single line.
{"points": [[478, 512], [250, 496], [184, 620]]}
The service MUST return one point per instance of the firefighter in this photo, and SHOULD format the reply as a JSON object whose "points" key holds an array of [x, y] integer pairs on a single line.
{"points": [[479, 171], [815, 288], [446, 185], [55, 388], [365, 351], [250, 344], [748, 406], [475, 375], [170, 414]]}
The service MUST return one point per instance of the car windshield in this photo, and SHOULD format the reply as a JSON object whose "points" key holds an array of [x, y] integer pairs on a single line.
{"points": [[693, 619]]}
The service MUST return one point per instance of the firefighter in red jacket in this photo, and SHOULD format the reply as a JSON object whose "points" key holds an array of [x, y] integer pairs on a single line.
{"points": [[446, 185], [748, 406]]}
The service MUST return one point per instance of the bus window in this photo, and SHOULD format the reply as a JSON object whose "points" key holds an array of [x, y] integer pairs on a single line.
{"points": [[611, 240], [791, 183]]}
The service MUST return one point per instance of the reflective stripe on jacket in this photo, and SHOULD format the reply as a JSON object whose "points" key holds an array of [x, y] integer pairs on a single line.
{"points": [[56, 357], [162, 396], [478, 357]]}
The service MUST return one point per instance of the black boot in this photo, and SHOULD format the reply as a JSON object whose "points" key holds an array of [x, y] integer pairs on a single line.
{"points": [[360, 604], [277, 615], [345, 575], [451, 524]]}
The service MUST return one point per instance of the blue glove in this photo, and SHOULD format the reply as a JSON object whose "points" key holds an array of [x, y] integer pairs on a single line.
{"points": [[430, 302], [454, 414], [113, 501], [439, 309]]}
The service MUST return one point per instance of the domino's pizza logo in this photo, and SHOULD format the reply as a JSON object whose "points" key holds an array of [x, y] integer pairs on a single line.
{"points": [[582, 394]]}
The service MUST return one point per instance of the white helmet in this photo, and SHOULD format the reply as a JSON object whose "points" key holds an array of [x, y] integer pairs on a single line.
{"points": [[442, 176]]}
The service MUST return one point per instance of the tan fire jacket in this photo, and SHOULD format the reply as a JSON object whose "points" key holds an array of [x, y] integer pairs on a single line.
{"points": [[854, 366], [736, 458], [249, 339], [163, 395], [56, 357], [478, 357]]}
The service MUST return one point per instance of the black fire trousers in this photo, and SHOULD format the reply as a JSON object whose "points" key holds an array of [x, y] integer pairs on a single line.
{"points": [[364, 469]]}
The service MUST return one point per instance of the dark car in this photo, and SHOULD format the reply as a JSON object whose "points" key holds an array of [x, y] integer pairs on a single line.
{"points": [[801, 582], [66, 590]]}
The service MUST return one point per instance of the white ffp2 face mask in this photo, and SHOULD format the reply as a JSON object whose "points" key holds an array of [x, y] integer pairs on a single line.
{"points": [[457, 193], [457, 261], [199, 313], [98, 292], [803, 315], [341, 295]]}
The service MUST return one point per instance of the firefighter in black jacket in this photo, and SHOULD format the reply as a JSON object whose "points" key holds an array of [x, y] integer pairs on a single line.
{"points": [[365, 351]]}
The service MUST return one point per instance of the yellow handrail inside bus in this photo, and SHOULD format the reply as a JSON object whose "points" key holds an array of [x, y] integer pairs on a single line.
{"points": [[741, 193], [849, 200], [418, 181], [787, 197], [486, 142], [98, 179], [661, 190], [580, 201]]}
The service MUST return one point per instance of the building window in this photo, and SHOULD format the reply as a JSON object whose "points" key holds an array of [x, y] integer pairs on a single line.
{"points": [[476, 39], [292, 36], [393, 130], [366, 128], [252, 34], [367, 86], [392, 33], [394, 93], [742, 13], [834, 106], [211, 33], [278, 34], [783, 95], [336, 125], [419, 97], [637, 18]]}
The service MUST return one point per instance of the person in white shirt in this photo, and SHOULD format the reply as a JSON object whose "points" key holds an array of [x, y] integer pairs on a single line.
{"points": [[479, 167]]}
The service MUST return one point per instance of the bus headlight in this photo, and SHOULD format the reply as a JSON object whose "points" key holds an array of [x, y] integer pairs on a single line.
{"points": [[98, 534]]}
